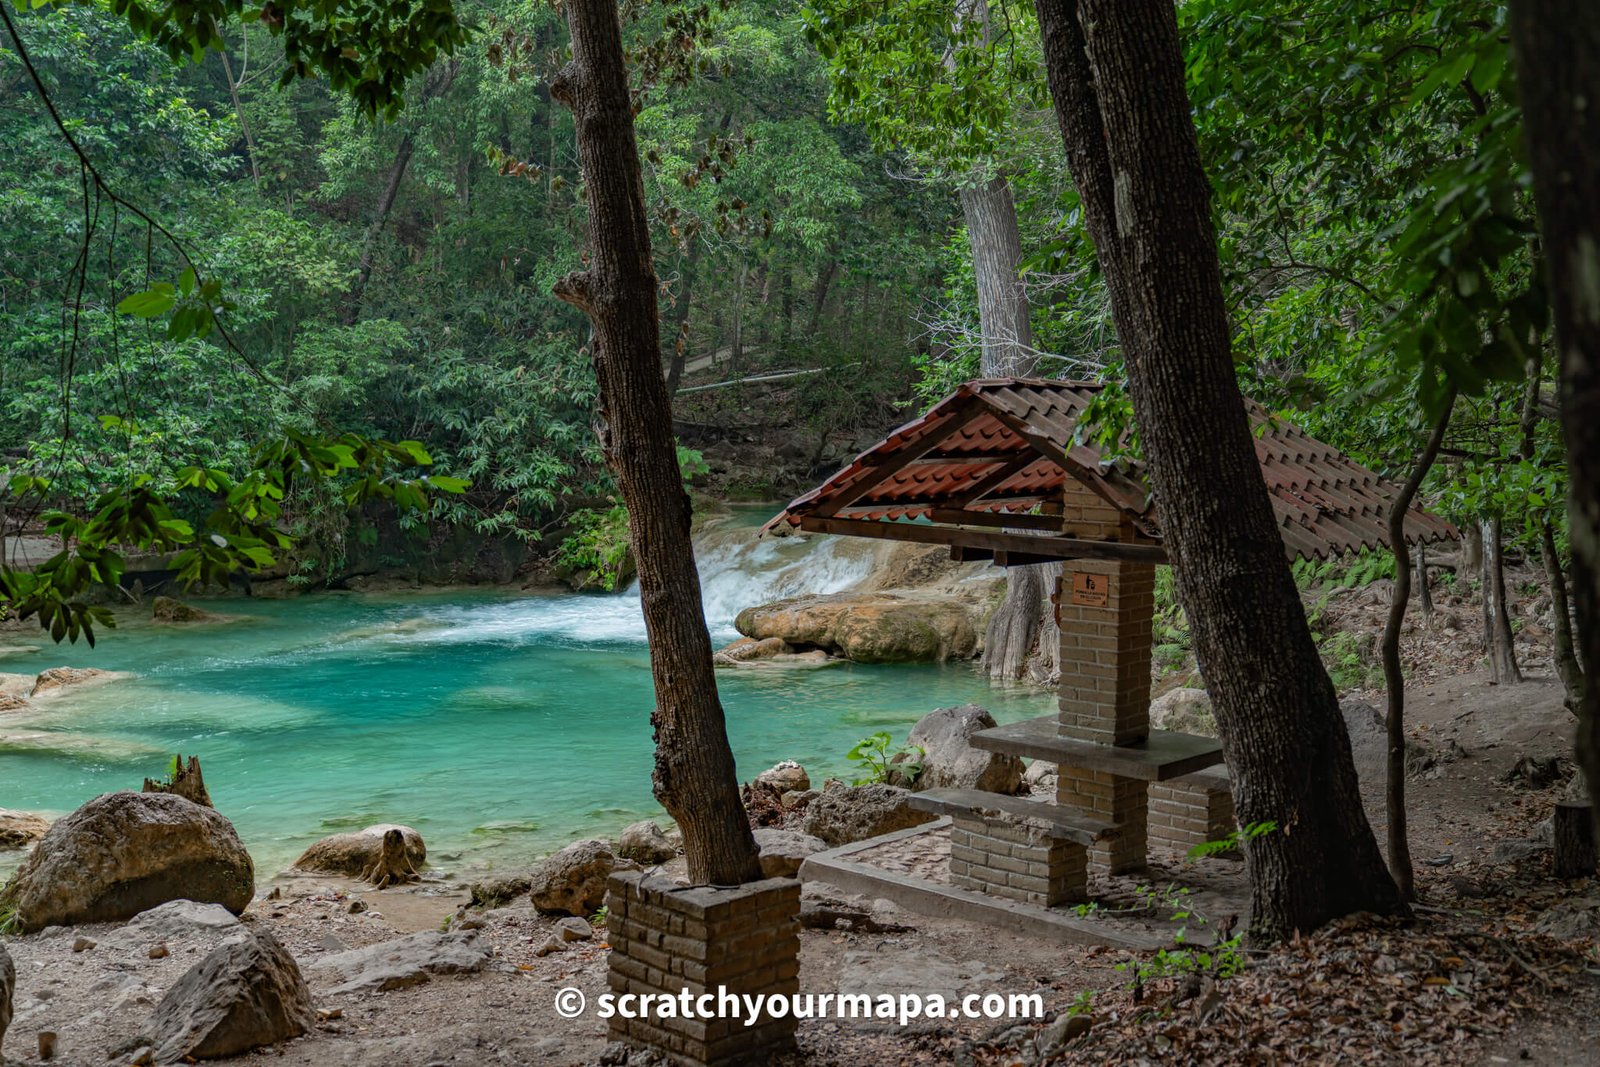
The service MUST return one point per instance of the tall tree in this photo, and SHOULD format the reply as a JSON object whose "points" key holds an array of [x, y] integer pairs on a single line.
{"points": [[1116, 74], [694, 771], [1557, 46]]}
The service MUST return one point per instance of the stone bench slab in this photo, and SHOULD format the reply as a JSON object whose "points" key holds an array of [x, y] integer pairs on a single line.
{"points": [[1162, 756], [1064, 822]]}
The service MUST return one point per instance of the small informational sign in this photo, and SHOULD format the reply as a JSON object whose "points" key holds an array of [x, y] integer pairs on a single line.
{"points": [[1091, 590]]}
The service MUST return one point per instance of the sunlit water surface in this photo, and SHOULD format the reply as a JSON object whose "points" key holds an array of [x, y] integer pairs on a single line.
{"points": [[501, 726]]}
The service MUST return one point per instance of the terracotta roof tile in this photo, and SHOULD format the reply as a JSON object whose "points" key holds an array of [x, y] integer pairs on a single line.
{"points": [[1326, 503]]}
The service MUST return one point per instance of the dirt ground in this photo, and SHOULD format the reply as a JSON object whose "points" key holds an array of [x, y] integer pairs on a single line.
{"points": [[1362, 992]]}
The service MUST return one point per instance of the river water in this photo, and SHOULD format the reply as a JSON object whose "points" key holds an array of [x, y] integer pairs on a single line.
{"points": [[500, 725]]}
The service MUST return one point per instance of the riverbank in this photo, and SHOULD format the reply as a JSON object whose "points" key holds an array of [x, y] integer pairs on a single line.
{"points": [[1499, 966]]}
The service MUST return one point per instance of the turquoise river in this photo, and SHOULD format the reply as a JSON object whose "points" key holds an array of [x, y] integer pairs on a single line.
{"points": [[500, 725]]}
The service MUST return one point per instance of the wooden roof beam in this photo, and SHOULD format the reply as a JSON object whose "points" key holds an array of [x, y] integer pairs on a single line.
{"points": [[1043, 546]]}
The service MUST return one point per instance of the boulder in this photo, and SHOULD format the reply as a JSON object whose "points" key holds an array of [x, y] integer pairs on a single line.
{"points": [[166, 609], [246, 993], [785, 777], [404, 961], [61, 677], [748, 649], [123, 853], [494, 891], [179, 920], [12, 702], [353, 853], [644, 842], [1184, 711], [8, 988], [949, 760], [19, 829], [855, 813], [573, 881], [783, 851], [869, 627], [1041, 778]]}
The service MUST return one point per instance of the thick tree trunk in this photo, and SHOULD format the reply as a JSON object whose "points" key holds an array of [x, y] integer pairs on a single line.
{"points": [[990, 212], [1470, 561], [1007, 334], [1118, 82], [694, 770], [1497, 638], [1393, 676], [1557, 46]]}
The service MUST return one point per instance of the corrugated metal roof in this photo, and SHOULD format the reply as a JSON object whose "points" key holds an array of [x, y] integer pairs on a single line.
{"points": [[1013, 439]]}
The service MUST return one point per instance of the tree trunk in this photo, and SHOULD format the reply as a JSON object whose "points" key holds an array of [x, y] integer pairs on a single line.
{"points": [[244, 123], [736, 348], [1023, 626], [1393, 676], [680, 326], [1497, 640], [1118, 83], [187, 782], [1470, 561], [1424, 590], [393, 865], [1568, 669], [380, 219], [1007, 334], [819, 297], [694, 770], [1557, 47]]}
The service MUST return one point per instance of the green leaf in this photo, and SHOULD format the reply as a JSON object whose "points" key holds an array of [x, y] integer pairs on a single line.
{"points": [[156, 300]]}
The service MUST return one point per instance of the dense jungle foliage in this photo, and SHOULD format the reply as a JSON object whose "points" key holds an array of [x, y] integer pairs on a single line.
{"points": [[390, 276]]}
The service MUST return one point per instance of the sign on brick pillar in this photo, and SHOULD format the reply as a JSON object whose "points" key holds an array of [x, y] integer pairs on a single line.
{"points": [[667, 938]]}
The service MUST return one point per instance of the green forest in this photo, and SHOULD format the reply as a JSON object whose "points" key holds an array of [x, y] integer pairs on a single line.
{"points": [[1189, 413]]}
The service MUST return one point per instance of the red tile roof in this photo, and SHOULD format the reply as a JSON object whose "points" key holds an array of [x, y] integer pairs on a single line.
{"points": [[1326, 503]]}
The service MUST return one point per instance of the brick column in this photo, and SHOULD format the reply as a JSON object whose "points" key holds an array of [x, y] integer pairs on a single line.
{"points": [[666, 938], [1192, 810], [1105, 610]]}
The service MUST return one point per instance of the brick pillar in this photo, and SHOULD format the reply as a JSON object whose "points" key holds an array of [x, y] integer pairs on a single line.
{"points": [[1193, 809], [1018, 860], [1105, 610], [666, 938]]}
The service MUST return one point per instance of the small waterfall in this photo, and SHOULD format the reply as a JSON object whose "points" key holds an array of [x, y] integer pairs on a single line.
{"points": [[738, 571]]}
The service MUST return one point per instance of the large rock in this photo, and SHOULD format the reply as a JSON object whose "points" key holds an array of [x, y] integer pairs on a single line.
{"points": [[855, 813], [405, 961], [1184, 711], [355, 852], [783, 851], [869, 627], [179, 920], [246, 993], [19, 829], [8, 988], [573, 881], [495, 890], [62, 677], [167, 609], [123, 853], [644, 842], [785, 777], [949, 760]]}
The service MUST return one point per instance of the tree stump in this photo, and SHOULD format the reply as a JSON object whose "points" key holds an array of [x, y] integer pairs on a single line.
{"points": [[1573, 825], [393, 866], [186, 782]]}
